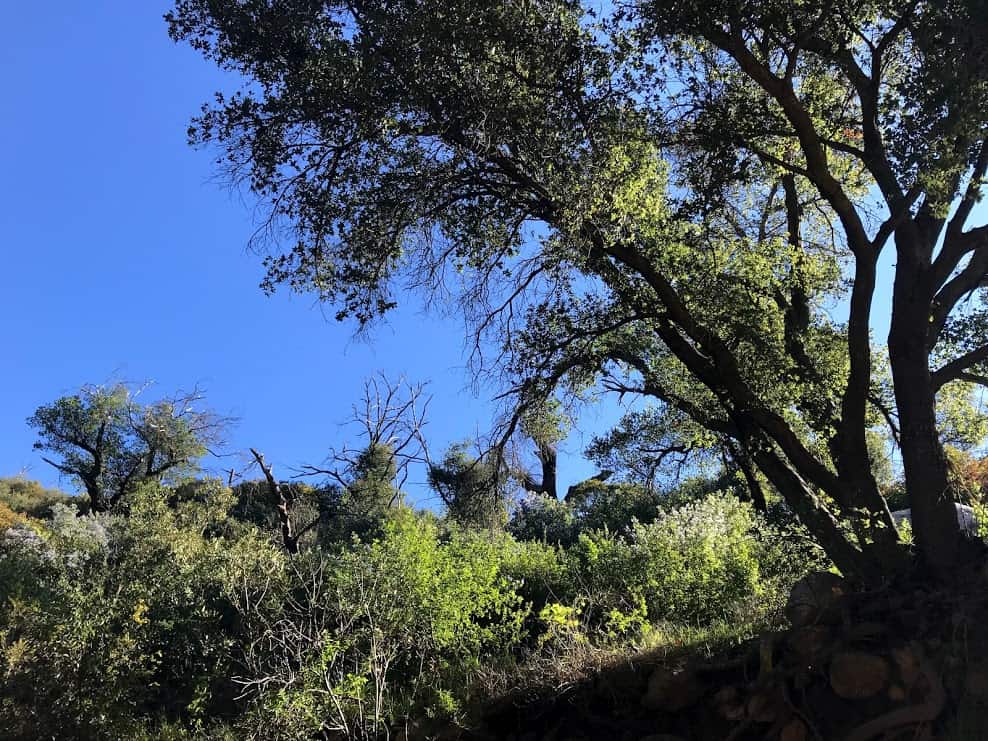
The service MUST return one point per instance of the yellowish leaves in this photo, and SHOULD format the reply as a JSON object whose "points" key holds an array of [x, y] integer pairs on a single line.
{"points": [[15, 653], [635, 178], [140, 613]]}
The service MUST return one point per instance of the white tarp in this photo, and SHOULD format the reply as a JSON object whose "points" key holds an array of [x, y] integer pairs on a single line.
{"points": [[965, 517]]}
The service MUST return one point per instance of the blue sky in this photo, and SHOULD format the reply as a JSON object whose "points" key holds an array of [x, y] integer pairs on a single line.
{"points": [[125, 260]]}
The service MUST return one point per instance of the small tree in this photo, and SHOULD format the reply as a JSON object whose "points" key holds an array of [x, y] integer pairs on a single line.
{"points": [[111, 443], [390, 417], [473, 489]]}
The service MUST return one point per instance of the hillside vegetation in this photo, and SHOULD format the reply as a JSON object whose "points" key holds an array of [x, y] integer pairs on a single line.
{"points": [[702, 211], [176, 615]]}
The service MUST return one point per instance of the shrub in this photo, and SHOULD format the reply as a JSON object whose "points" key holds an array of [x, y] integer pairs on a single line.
{"points": [[127, 619], [367, 635], [613, 506], [538, 518], [539, 572], [698, 563], [170, 616]]}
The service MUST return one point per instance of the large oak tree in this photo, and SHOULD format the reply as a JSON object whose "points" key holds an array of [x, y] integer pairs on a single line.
{"points": [[687, 199]]}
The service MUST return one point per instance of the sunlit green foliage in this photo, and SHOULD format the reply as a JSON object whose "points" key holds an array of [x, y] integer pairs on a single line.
{"points": [[31, 498], [176, 615], [662, 200], [381, 630], [694, 563], [110, 443]]}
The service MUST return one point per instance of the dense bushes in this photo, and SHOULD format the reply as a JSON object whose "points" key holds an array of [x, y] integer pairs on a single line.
{"points": [[692, 564], [702, 562], [176, 611], [111, 620], [379, 631]]}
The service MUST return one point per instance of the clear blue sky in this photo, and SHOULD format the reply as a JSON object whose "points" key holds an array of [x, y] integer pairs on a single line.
{"points": [[123, 259]]}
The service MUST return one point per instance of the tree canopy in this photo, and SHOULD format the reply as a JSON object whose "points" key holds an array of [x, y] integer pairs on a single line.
{"points": [[472, 489], [111, 443], [686, 201]]}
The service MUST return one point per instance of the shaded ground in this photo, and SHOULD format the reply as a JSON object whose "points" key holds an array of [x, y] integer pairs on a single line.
{"points": [[904, 663]]}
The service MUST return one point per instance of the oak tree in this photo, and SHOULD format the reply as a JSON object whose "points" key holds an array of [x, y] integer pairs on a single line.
{"points": [[111, 443], [675, 195]]}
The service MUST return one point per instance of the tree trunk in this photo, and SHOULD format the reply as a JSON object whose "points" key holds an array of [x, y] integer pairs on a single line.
{"points": [[865, 507], [934, 518], [547, 486], [744, 464], [548, 459], [818, 520], [97, 502]]}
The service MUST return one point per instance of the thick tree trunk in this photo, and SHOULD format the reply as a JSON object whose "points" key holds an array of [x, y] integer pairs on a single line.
{"points": [[934, 518], [548, 459], [97, 500], [547, 486], [97, 503]]}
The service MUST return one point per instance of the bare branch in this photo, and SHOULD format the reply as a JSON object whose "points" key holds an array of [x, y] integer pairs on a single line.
{"points": [[289, 539], [958, 367], [391, 415]]}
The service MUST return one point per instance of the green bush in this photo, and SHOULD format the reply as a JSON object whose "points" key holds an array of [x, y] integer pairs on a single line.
{"points": [[539, 518], [174, 617], [696, 564], [702, 558], [127, 619], [369, 635], [613, 506], [538, 571], [31, 498]]}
